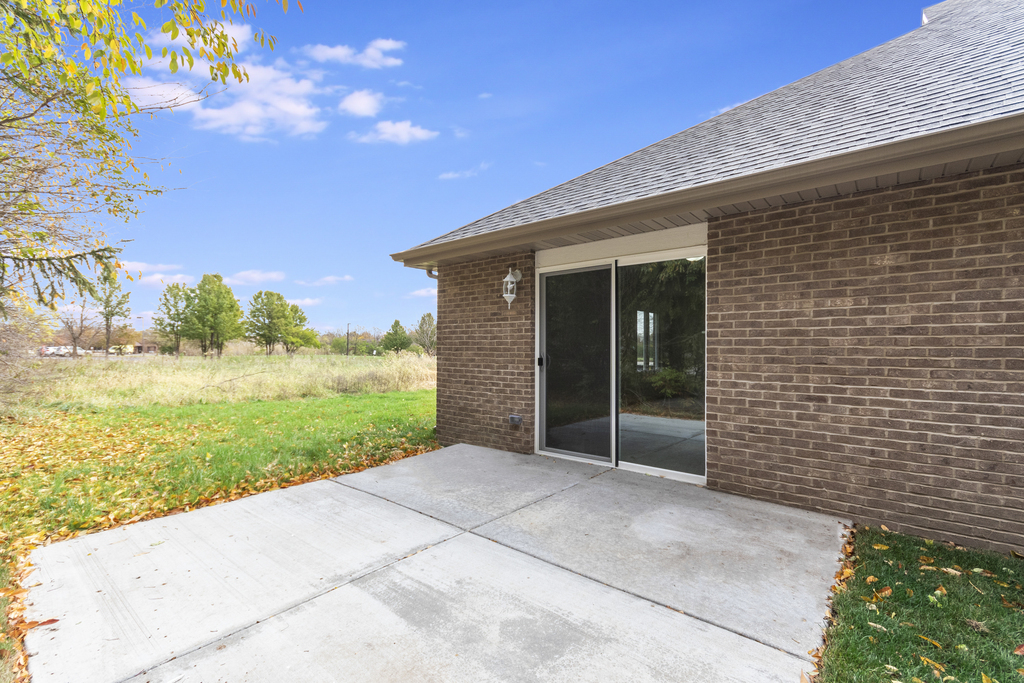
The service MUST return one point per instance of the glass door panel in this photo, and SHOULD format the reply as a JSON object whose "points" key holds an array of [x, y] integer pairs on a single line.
{"points": [[576, 347], [662, 324]]}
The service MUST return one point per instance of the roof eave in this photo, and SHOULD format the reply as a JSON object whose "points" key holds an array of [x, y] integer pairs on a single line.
{"points": [[955, 144]]}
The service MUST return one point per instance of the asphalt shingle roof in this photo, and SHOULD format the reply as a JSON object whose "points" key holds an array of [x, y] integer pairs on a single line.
{"points": [[964, 66]]}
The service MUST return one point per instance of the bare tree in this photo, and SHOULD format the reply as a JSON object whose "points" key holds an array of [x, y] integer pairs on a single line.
{"points": [[425, 334], [79, 323], [112, 303], [21, 333]]}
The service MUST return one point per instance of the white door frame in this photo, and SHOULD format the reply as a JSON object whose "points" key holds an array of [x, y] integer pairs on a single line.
{"points": [[563, 262]]}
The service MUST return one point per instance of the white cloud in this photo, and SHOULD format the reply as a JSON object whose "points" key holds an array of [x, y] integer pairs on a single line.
{"points": [[362, 103], [150, 93], [485, 95], [455, 175], [161, 280], [407, 84], [328, 280], [429, 291], [400, 132], [139, 266], [274, 99], [304, 302], [254, 277], [460, 132], [722, 110], [372, 57]]}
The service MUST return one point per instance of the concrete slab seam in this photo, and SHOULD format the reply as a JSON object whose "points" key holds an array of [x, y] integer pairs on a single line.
{"points": [[805, 658], [395, 502], [534, 502], [287, 608]]}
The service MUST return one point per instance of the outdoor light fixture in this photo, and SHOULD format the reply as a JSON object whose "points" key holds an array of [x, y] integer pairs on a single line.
{"points": [[508, 286]]}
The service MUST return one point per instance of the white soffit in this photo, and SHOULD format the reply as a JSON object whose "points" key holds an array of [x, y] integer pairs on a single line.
{"points": [[686, 236]]}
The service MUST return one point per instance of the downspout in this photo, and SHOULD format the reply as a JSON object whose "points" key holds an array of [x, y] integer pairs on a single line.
{"points": [[431, 274]]}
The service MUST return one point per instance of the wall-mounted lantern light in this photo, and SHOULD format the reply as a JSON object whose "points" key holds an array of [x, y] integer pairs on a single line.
{"points": [[508, 286]]}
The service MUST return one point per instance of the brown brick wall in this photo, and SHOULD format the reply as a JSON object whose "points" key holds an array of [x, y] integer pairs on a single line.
{"points": [[866, 357], [485, 354]]}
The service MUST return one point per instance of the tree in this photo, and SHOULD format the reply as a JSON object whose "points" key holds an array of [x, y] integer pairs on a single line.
{"points": [[125, 335], [297, 335], [21, 329], [78, 322], [396, 338], [172, 315], [268, 319], [425, 334], [214, 316], [111, 303], [64, 127]]}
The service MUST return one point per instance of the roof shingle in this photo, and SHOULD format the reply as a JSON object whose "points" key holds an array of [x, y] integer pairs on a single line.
{"points": [[964, 66]]}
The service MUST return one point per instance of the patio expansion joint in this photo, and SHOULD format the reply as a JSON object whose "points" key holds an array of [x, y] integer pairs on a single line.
{"points": [[472, 530], [645, 598], [289, 607]]}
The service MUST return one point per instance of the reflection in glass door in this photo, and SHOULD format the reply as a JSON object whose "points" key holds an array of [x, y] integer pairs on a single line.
{"points": [[576, 362], [661, 310]]}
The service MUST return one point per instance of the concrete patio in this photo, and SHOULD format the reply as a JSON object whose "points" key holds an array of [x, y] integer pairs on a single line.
{"points": [[466, 564]]}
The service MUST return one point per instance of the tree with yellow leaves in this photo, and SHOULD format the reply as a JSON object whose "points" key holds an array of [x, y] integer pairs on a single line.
{"points": [[65, 129]]}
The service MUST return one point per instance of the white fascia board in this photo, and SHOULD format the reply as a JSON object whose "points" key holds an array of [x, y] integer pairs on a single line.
{"points": [[686, 237]]}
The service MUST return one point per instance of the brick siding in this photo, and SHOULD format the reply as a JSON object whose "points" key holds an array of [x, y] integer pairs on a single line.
{"points": [[485, 354], [866, 357]]}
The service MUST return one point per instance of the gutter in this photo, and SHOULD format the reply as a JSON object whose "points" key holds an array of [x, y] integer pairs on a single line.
{"points": [[964, 142]]}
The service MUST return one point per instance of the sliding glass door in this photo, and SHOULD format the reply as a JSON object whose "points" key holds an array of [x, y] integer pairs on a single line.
{"points": [[576, 362], [622, 364], [661, 314]]}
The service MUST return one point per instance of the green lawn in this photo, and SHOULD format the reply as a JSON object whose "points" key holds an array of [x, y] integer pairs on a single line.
{"points": [[916, 611], [62, 474]]}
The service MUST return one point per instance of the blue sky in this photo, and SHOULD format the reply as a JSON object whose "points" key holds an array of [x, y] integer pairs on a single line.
{"points": [[376, 126]]}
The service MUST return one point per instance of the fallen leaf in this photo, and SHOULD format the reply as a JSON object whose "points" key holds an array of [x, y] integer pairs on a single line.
{"points": [[951, 572], [930, 662], [879, 546], [871, 579], [930, 641], [1019, 650], [910, 592], [885, 528], [878, 626], [985, 679], [941, 589], [931, 569], [924, 559], [1017, 555], [978, 626]]}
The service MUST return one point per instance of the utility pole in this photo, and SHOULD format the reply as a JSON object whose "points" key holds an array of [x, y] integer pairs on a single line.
{"points": [[347, 326]]}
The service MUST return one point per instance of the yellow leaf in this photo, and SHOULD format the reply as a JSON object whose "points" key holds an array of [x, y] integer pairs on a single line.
{"points": [[985, 679], [930, 641], [879, 546], [871, 579]]}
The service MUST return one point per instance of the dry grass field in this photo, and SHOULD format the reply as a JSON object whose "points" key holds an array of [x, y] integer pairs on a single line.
{"points": [[162, 380]]}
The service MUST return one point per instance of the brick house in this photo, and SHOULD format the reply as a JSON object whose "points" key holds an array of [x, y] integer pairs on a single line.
{"points": [[815, 298]]}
